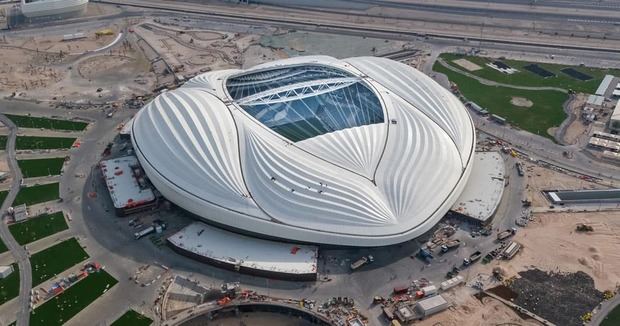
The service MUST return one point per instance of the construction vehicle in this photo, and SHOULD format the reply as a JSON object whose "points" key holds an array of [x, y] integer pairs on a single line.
{"points": [[472, 258], [378, 299], [584, 228], [450, 245], [425, 254], [362, 261], [401, 289], [506, 234], [144, 232], [520, 170]]}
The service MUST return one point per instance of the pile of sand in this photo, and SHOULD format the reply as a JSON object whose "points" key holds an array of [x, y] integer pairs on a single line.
{"points": [[521, 102]]}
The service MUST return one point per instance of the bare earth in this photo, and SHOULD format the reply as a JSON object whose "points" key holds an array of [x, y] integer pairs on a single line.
{"points": [[470, 66], [577, 131], [540, 179], [469, 311], [551, 243], [521, 102]]}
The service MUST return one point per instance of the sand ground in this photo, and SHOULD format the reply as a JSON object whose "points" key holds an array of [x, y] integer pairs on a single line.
{"points": [[539, 179], [469, 311]]}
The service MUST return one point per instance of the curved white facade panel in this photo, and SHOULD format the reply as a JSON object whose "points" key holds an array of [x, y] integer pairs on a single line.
{"points": [[358, 152]]}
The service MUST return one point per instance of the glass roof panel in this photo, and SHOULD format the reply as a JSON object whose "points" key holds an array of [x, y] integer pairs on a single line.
{"points": [[306, 101]]}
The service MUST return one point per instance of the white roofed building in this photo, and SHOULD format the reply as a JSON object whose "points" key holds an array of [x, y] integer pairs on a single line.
{"points": [[361, 151]]}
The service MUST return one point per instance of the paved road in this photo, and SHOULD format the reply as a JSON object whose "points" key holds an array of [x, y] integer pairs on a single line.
{"points": [[25, 274], [606, 308]]}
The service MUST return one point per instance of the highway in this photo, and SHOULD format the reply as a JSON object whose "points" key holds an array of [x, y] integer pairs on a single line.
{"points": [[385, 29], [18, 252]]}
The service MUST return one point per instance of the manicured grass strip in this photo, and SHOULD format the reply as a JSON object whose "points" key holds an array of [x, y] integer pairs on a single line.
{"points": [[56, 259], [46, 123], [132, 318], [613, 318], [37, 194], [3, 143], [3, 195], [35, 142], [3, 247], [41, 167], [527, 78], [545, 113], [63, 307], [9, 286], [38, 227]]}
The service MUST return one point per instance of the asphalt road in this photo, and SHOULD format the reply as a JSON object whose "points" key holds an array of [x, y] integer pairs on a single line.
{"points": [[606, 308], [18, 252]]}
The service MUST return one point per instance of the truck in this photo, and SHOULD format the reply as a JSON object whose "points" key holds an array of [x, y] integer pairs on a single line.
{"points": [[472, 258], [425, 254], [450, 245], [506, 234], [520, 170], [144, 232], [401, 289], [362, 261]]}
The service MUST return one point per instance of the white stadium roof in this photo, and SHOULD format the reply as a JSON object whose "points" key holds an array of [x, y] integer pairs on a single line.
{"points": [[361, 151]]}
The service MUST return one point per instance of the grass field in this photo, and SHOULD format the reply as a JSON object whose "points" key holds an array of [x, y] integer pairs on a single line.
{"points": [[38, 227], [37, 194], [132, 318], [63, 307], [56, 259], [3, 247], [3, 195], [613, 319], [33, 142], [527, 78], [9, 286], [41, 167], [3, 143], [545, 113], [46, 123]]}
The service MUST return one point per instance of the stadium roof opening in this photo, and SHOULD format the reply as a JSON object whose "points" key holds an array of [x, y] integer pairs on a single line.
{"points": [[305, 101]]}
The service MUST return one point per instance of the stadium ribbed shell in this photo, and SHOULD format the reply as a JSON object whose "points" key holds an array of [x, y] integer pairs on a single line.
{"points": [[361, 151]]}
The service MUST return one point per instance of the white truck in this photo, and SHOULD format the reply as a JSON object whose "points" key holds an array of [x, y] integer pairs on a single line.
{"points": [[362, 261], [144, 232]]}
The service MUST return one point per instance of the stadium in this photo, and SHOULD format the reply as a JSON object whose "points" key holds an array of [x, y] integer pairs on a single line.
{"points": [[361, 151]]}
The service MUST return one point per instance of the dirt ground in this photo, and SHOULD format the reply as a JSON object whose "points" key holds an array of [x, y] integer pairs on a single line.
{"points": [[539, 179], [577, 131], [551, 243], [469, 311], [521, 102], [470, 66]]}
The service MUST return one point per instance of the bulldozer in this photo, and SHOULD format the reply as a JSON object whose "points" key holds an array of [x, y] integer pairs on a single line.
{"points": [[581, 227]]}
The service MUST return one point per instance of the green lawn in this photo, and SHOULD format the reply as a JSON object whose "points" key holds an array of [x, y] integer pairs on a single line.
{"points": [[132, 318], [34, 142], [38, 227], [545, 113], [41, 167], [3, 195], [9, 286], [3, 247], [527, 78], [56, 259], [3, 143], [37, 194], [46, 123], [613, 318], [63, 307]]}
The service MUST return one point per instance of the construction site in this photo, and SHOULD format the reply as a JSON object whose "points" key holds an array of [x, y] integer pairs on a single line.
{"points": [[527, 244]]}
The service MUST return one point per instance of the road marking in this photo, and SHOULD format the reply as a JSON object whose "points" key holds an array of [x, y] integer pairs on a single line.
{"points": [[615, 22]]}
